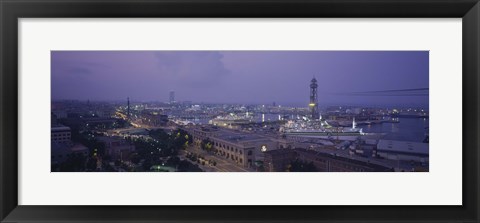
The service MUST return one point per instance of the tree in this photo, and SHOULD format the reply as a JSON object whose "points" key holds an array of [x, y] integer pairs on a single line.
{"points": [[173, 161], [74, 163], [181, 139], [185, 166], [207, 145], [301, 166], [92, 164], [135, 158]]}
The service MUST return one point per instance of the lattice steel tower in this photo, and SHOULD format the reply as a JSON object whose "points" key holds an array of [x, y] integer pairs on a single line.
{"points": [[314, 99]]}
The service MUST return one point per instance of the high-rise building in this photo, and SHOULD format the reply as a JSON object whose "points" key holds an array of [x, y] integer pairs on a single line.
{"points": [[314, 99], [128, 108], [172, 97]]}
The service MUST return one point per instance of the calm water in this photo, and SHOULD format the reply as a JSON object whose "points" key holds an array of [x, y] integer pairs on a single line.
{"points": [[409, 129]]}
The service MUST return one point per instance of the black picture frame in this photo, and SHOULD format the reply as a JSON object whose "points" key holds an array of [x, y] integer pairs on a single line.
{"points": [[12, 10]]}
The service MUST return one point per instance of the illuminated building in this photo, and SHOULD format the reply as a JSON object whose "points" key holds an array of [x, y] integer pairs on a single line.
{"points": [[242, 149]]}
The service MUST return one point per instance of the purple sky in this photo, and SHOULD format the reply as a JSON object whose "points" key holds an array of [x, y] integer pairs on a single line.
{"points": [[239, 76]]}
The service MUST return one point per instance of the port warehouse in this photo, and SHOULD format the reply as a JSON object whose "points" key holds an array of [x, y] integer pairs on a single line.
{"points": [[403, 150], [244, 149], [278, 160]]}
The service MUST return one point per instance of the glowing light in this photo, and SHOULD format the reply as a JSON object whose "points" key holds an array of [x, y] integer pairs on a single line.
{"points": [[311, 104], [264, 148]]}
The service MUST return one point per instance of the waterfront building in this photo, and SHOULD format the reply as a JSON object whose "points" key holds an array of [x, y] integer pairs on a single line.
{"points": [[279, 160], [403, 150], [241, 148], [326, 162]]}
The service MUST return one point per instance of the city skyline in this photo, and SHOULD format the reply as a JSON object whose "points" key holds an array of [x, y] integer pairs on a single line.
{"points": [[240, 111], [236, 77]]}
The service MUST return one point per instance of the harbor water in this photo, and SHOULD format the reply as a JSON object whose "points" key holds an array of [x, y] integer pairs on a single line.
{"points": [[408, 129]]}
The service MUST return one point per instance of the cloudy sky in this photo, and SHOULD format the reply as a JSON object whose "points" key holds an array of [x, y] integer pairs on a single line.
{"points": [[260, 77]]}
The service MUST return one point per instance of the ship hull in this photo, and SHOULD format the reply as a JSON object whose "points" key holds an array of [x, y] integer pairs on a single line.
{"points": [[348, 136]]}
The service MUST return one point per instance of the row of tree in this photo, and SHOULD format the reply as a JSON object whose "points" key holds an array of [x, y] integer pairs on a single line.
{"points": [[161, 146]]}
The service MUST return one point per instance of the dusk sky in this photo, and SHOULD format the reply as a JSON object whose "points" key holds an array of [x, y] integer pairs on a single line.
{"points": [[260, 77]]}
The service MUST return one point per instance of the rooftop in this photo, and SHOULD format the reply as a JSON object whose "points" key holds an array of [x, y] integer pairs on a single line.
{"points": [[234, 136], [78, 147], [403, 147], [237, 137], [279, 151], [110, 139], [366, 163], [59, 128]]}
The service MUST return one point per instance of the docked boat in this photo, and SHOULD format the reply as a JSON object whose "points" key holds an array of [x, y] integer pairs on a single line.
{"points": [[231, 119], [322, 130]]}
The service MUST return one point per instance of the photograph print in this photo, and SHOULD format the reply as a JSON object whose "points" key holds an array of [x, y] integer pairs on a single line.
{"points": [[239, 111]]}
